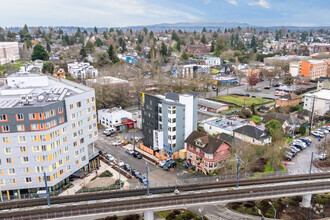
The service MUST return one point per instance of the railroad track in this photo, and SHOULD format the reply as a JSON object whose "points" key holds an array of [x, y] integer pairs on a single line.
{"points": [[170, 200], [159, 190]]}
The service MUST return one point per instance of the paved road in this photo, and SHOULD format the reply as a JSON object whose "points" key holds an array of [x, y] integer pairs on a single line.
{"points": [[301, 162], [156, 174]]}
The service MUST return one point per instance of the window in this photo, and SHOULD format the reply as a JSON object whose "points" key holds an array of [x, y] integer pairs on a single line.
{"points": [[78, 104], [32, 116], [36, 158], [12, 181], [25, 159], [34, 126], [5, 128], [60, 120], [20, 128], [67, 158], [71, 106], [28, 179], [5, 140], [36, 148], [2, 182], [60, 109], [21, 138], [11, 171], [8, 150], [61, 172], [68, 168], [26, 169], [9, 160], [19, 117], [43, 148], [3, 118], [73, 116], [93, 99], [22, 149]]}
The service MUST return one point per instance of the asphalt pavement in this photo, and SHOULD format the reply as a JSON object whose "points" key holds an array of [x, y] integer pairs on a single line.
{"points": [[301, 162], [156, 174]]}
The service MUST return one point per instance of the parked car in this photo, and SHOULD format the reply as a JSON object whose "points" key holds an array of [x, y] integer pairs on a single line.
{"points": [[109, 130], [305, 140], [317, 134], [295, 148], [109, 133], [256, 90], [135, 172], [117, 143], [320, 131], [267, 87], [169, 165], [163, 162], [139, 177], [299, 143], [248, 94], [145, 182], [127, 167], [129, 151], [110, 157], [288, 157], [325, 131], [121, 163], [322, 156], [137, 155]]}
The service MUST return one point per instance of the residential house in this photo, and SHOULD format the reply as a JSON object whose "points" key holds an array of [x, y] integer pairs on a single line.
{"points": [[323, 83], [289, 122], [82, 70], [252, 135], [212, 61], [222, 125], [211, 106], [189, 71], [197, 49], [320, 100], [207, 153], [116, 118], [289, 99]]}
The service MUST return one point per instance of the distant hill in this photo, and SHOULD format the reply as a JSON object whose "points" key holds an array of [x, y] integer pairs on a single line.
{"points": [[184, 26]]}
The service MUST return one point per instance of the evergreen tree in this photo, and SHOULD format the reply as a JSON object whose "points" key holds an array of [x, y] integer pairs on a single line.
{"points": [[48, 67], [163, 49], [145, 30], [138, 47], [184, 56], [83, 52], [89, 47], [95, 30], [39, 53], [98, 42], [204, 29], [212, 46], [253, 42], [151, 35], [112, 54], [203, 40], [48, 47]]}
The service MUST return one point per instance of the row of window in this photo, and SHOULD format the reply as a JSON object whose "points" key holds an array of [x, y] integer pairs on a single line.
{"points": [[78, 104], [35, 116], [34, 127]]}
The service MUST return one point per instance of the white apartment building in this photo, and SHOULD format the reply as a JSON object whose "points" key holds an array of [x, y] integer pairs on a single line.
{"points": [[321, 104], [9, 52], [47, 126], [295, 68], [82, 70]]}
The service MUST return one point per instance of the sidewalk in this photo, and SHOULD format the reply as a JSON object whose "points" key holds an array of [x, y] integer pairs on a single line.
{"points": [[80, 183]]}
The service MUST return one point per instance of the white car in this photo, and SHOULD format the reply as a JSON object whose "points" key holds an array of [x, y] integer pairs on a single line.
{"points": [[110, 157], [163, 162], [316, 133], [129, 151], [121, 163], [117, 143]]}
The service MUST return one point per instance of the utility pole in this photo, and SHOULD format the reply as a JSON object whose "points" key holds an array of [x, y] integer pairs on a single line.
{"points": [[310, 168], [134, 142], [238, 161], [47, 191], [119, 177], [1, 195], [312, 116], [147, 168]]}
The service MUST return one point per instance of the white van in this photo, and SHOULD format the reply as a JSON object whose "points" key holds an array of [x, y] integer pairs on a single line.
{"points": [[109, 130]]}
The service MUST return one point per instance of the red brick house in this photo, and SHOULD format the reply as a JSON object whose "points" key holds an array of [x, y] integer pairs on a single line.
{"points": [[209, 153]]}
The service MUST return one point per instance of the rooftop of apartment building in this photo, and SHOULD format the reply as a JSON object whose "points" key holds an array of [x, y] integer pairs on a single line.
{"points": [[32, 89], [318, 61], [323, 94], [227, 124], [288, 57], [174, 97]]}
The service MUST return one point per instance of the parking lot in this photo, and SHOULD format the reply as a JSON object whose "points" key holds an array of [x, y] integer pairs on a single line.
{"points": [[301, 162], [156, 174]]}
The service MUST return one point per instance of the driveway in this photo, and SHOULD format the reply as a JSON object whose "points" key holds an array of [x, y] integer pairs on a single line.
{"points": [[301, 162]]}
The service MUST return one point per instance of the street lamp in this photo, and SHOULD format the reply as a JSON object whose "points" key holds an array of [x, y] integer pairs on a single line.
{"points": [[270, 203]]}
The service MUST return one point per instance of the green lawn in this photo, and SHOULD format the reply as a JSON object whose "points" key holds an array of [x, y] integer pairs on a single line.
{"points": [[239, 100]]}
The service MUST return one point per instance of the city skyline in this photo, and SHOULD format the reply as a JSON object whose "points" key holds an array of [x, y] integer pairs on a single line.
{"points": [[145, 12]]}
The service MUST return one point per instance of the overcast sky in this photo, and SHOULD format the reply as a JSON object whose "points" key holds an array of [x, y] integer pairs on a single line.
{"points": [[116, 13]]}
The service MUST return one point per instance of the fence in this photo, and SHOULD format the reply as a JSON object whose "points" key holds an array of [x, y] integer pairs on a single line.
{"points": [[158, 204]]}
